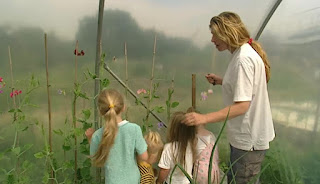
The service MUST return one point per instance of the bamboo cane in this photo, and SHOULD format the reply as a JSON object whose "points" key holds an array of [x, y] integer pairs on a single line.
{"points": [[126, 69], [97, 73], [49, 101], [194, 91], [74, 119], [151, 78]]}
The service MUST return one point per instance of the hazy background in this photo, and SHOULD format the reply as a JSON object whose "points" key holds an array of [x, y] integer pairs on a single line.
{"points": [[291, 40]]}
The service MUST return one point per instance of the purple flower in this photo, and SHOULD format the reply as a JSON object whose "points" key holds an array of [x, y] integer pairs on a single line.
{"points": [[160, 125], [61, 92], [1, 91], [204, 95]]}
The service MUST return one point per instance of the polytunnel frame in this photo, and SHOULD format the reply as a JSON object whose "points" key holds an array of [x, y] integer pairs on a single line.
{"points": [[263, 25]]}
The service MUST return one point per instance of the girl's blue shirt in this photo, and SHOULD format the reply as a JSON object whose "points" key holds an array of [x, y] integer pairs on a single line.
{"points": [[121, 165]]}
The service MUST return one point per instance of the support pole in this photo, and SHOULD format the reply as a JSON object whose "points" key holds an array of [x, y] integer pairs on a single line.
{"points": [[49, 100], [97, 73], [265, 22], [194, 91]]}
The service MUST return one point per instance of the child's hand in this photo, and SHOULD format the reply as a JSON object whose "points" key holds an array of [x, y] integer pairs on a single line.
{"points": [[89, 132]]}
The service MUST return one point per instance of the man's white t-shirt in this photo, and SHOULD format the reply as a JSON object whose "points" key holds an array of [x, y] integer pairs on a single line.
{"points": [[167, 162], [245, 80]]}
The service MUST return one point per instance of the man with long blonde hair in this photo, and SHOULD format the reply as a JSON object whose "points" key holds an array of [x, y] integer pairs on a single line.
{"points": [[244, 86]]}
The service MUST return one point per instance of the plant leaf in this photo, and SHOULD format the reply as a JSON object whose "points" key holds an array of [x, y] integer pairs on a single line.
{"points": [[58, 132], [215, 145], [174, 104], [16, 150], [184, 172], [66, 147], [86, 113], [104, 83], [39, 155]]}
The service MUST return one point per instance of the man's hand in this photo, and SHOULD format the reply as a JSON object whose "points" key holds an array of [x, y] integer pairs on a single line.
{"points": [[194, 119], [213, 79]]}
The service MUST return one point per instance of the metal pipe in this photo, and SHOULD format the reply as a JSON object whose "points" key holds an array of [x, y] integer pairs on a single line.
{"points": [[265, 22]]}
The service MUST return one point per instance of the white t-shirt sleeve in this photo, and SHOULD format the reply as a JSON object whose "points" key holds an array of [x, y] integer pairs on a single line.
{"points": [[166, 157], [243, 88]]}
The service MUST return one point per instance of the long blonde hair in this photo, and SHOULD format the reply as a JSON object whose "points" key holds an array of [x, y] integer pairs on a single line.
{"points": [[228, 27], [180, 135], [110, 104], [154, 142]]}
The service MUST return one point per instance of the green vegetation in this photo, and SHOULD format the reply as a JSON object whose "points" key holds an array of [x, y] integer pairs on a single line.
{"points": [[292, 158]]}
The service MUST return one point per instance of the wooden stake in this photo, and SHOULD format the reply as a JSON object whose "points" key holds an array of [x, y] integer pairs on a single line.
{"points": [[97, 73], [152, 77], [49, 102], [74, 119], [126, 68], [194, 91]]}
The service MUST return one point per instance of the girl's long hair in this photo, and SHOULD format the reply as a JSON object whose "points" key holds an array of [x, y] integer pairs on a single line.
{"points": [[181, 135], [228, 27], [110, 104]]}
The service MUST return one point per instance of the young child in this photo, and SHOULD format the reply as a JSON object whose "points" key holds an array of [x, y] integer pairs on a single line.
{"points": [[115, 145], [205, 143], [155, 146], [181, 148]]}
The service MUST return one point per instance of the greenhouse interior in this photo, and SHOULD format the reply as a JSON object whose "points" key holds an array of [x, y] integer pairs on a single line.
{"points": [[58, 56]]}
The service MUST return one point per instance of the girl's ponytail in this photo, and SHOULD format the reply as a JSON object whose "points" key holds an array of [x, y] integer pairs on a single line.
{"points": [[110, 105]]}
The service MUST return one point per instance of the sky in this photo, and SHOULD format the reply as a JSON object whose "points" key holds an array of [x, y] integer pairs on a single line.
{"points": [[183, 18]]}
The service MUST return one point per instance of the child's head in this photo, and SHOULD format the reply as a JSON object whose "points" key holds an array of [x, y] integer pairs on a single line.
{"points": [[191, 109], [110, 101], [110, 105], [182, 135], [155, 146]]}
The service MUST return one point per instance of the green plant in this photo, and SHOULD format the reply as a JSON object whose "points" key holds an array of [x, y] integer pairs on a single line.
{"points": [[280, 170], [18, 174], [170, 104], [51, 163]]}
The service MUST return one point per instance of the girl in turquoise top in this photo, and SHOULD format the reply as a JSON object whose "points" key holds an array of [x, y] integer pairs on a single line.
{"points": [[116, 145]]}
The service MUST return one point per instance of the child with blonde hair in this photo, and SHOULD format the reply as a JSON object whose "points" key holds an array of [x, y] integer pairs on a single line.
{"points": [[116, 144], [155, 146]]}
